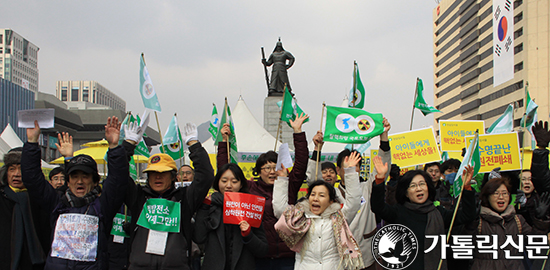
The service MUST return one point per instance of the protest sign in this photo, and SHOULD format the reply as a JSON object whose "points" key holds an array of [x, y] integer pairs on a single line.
{"points": [[44, 117], [161, 215], [75, 237], [414, 147], [498, 150], [241, 206], [118, 221], [452, 133]]}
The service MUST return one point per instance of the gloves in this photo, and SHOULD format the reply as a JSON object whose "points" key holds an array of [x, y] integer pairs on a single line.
{"points": [[541, 206], [541, 134], [521, 199], [189, 132], [133, 132], [495, 173]]}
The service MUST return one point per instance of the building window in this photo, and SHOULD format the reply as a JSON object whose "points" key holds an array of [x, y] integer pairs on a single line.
{"points": [[518, 3], [518, 17], [64, 94], [74, 94], [518, 48], [518, 33], [518, 67], [8, 50], [1, 38], [85, 94]]}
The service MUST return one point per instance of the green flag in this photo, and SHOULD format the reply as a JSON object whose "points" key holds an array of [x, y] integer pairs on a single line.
{"points": [[357, 92], [133, 169], [141, 147], [146, 89], [172, 142], [226, 118], [444, 156], [214, 123], [530, 117], [505, 123], [471, 158], [350, 125], [289, 108], [420, 103]]}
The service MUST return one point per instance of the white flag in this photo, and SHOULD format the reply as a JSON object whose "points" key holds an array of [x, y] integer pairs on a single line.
{"points": [[503, 41]]}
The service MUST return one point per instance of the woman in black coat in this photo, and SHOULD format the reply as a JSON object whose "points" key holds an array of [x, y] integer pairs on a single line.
{"points": [[227, 246]]}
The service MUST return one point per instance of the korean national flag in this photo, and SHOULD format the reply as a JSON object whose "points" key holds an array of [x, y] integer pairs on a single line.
{"points": [[503, 41]]}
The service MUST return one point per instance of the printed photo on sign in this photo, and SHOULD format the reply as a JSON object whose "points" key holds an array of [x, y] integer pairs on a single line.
{"points": [[75, 237]]}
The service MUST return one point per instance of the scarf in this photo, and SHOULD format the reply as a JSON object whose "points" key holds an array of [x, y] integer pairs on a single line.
{"points": [[71, 200], [23, 228], [434, 226], [294, 225]]}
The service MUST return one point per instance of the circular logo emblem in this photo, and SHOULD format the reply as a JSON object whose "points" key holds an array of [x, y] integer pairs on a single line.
{"points": [[148, 90], [356, 97], [345, 122], [155, 159], [364, 124], [502, 28], [174, 147], [394, 246]]}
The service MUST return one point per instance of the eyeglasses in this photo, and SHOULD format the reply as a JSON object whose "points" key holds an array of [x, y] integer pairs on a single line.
{"points": [[269, 169], [504, 194], [421, 185], [184, 173]]}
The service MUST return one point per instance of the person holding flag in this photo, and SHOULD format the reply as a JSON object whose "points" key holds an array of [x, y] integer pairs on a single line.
{"points": [[172, 141], [415, 195], [279, 256], [167, 245]]}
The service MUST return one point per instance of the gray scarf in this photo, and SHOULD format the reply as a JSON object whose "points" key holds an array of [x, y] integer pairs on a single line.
{"points": [[434, 226]]}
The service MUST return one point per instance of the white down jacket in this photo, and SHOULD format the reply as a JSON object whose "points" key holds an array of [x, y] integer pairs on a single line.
{"points": [[319, 251]]}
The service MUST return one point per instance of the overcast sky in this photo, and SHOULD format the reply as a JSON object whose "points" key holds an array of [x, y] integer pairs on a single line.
{"points": [[199, 52]]}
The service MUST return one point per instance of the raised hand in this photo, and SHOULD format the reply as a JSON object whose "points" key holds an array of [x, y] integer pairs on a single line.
{"points": [[133, 132], [352, 160], [542, 205], [112, 131], [542, 135], [467, 175], [65, 144], [226, 132], [297, 124], [380, 167], [190, 134], [318, 141], [283, 172], [33, 133], [387, 127]]}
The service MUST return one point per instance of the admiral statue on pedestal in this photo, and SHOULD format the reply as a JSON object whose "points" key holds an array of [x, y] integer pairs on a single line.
{"points": [[279, 76]]}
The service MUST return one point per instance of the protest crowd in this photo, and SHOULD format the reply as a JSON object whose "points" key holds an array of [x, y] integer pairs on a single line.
{"points": [[218, 219]]}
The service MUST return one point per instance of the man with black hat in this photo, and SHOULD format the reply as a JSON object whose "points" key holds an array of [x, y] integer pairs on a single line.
{"points": [[82, 215], [24, 229], [161, 235]]}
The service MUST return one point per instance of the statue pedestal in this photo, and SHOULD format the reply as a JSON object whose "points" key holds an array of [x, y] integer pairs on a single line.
{"points": [[272, 115]]}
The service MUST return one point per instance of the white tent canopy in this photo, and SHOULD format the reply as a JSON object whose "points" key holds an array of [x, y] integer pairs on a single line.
{"points": [[251, 136], [9, 140]]}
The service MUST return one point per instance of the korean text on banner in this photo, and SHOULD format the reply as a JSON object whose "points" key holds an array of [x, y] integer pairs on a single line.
{"points": [[452, 133], [414, 147], [498, 150], [241, 206]]}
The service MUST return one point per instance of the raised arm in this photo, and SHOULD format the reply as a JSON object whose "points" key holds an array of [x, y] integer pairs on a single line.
{"points": [[280, 192], [540, 173], [353, 190], [312, 164], [378, 204], [31, 172], [298, 173], [222, 157]]}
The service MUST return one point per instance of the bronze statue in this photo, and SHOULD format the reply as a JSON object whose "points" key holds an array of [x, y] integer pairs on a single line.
{"points": [[279, 76]]}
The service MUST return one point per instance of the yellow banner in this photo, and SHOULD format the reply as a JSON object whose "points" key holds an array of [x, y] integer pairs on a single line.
{"points": [[373, 153], [498, 150], [414, 147], [452, 133]]}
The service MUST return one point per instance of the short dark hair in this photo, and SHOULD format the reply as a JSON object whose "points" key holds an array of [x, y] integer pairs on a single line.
{"points": [[405, 181], [330, 188], [328, 165], [395, 171], [343, 154], [431, 164], [269, 156], [55, 171], [237, 172], [185, 165], [490, 187], [451, 163]]}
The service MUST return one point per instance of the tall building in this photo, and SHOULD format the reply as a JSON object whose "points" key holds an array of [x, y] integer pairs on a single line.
{"points": [[18, 60], [14, 98], [88, 91], [463, 60]]}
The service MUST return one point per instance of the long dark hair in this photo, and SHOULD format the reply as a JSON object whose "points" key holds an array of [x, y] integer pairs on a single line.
{"points": [[330, 188], [237, 172], [405, 181]]}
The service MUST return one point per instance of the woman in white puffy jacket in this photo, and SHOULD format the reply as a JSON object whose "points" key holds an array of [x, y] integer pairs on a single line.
{"points": [[316, 228]]}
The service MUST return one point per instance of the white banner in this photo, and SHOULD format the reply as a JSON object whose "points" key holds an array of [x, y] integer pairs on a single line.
{"points": [[503, 41]]}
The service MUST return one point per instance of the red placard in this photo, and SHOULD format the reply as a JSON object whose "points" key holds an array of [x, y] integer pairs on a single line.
{"points": [[241, 206]]}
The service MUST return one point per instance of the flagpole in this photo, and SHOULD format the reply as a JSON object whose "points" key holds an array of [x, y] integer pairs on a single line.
{"points": [[160, 133], [318, 151], [279, 122], [354, 85], [414, 100], [458, 200], [226, 119], [181, 143]]}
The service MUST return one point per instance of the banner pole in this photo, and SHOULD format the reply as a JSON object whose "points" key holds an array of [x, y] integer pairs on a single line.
{"points": [[160, 133], [226, 119], [414, 101], [319, 151]]}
